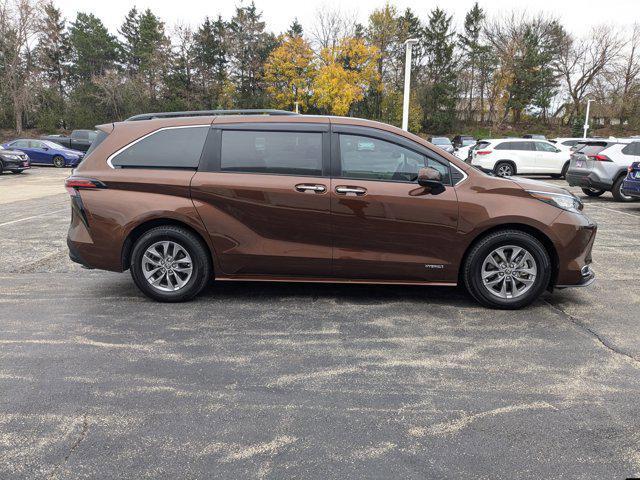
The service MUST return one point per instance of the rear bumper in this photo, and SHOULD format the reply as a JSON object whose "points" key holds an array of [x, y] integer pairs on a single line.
{"points": [[74, 254], [588, 180]]}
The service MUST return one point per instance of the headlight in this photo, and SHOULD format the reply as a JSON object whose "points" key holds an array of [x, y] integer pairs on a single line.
{"points": [[565, 201], [12, 157]]}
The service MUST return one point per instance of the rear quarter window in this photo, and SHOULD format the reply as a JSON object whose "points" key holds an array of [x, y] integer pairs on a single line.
{"points": [[632, 149], [174, 147]]}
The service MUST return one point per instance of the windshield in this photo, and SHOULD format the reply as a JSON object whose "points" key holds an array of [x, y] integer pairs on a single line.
{"points": [[468, 141], [440, 141]]}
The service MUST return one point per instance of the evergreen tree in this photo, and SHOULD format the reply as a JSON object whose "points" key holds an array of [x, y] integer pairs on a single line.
{"points": [[154, 52], [130, 46], [295, 29], [250, 47], [441, 91], [52, 53], [471, 46], [210, 57], [93, 48]]}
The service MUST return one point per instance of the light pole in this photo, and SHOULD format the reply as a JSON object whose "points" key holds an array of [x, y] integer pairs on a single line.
{"points": [[407, 82], [586, 119]]}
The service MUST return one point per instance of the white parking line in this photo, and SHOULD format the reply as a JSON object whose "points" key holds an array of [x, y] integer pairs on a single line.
{"points": [[614, 210], [32, 217]]}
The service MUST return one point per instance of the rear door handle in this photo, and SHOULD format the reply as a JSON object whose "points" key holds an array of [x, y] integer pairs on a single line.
{"points": [[304, 187], [344, 190]]}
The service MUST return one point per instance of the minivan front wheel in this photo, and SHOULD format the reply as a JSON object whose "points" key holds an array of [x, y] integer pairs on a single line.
{"points": [[508, 269], [170, 264]]}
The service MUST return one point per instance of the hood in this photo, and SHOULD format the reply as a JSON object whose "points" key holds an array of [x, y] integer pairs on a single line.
{"points": [[12, 152], [70, 151], [528, 184]]}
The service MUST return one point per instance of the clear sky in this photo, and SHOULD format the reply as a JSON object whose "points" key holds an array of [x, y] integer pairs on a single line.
{"points": [[577, 16]]}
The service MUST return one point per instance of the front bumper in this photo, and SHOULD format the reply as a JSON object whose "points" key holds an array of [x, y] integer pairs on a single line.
{"points": [[588, 277], [16, 165], [588, 180], [631, 188]]}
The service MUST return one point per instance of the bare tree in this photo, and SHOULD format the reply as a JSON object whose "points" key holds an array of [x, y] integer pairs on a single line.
{"points": [[330, 26], [582, 61], [20, 22]]}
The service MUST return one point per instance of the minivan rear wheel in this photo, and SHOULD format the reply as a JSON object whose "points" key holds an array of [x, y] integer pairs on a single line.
{"points": [[507, 269], [170, 264]]}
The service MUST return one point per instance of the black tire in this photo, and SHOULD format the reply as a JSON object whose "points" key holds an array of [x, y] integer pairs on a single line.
{"points": [[592, 192], [58, 161], [616, 191], [472, 269], [1, 168], [197, 250], [504, 169]]}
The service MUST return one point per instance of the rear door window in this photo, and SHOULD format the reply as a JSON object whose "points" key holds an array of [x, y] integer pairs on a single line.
{"points": [[518, 146], [281, 153], [174, 147], [544, 147]]}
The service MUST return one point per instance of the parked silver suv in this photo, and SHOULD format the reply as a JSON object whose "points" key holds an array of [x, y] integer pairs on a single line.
{"points": [[601, 166]]}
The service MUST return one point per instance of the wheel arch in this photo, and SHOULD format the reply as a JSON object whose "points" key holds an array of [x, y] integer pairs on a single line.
{"points": [[533, 231], [145, 226]]}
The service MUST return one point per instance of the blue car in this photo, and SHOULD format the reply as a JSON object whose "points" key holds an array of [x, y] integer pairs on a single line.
{"points": [[45, 152], [631, 184]]}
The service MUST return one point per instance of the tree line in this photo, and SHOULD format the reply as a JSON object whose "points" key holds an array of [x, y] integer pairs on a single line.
{"points": [[59, 73]]}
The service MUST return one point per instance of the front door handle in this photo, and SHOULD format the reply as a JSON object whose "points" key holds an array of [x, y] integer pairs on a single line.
{"points": [[344, 190], [304, 187]]}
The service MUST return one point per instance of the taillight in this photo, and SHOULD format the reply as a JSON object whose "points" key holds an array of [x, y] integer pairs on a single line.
{"points": [[600, 158], [73, 184], [483, 152]]}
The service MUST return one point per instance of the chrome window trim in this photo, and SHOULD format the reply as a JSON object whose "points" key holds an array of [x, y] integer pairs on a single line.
{"points": [[464, 174], [131, 144]]}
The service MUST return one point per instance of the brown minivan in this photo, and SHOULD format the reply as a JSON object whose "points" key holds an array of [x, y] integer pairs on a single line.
{"points": [[183, 198]]}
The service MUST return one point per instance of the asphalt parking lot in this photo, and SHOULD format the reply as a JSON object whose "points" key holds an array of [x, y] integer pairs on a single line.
{"points": [[304, 380]]}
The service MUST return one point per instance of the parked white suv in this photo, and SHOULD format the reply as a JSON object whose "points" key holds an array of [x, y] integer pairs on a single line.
{"points": [[507, 157], [601, 166]]}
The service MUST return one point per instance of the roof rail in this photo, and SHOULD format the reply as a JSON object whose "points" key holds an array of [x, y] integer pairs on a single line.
{"points": [[201, 113]]}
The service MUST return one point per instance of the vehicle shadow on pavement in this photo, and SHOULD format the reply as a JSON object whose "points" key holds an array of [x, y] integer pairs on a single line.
{"points": [[348, 293]]}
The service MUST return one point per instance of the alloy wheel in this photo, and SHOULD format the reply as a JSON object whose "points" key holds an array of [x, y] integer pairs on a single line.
{"points": [[504, 170], [167, 266], [509, 271]]}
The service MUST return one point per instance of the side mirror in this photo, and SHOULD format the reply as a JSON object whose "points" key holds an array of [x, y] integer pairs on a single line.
{"points": [[432, 179], [45, 148]]}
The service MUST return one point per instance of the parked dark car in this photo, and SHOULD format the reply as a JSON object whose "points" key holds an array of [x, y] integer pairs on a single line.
{"points": [[180, 200], [78, 140], [442, 142], [631, 185], [13, 161], [463, 141], [45, 152]]}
